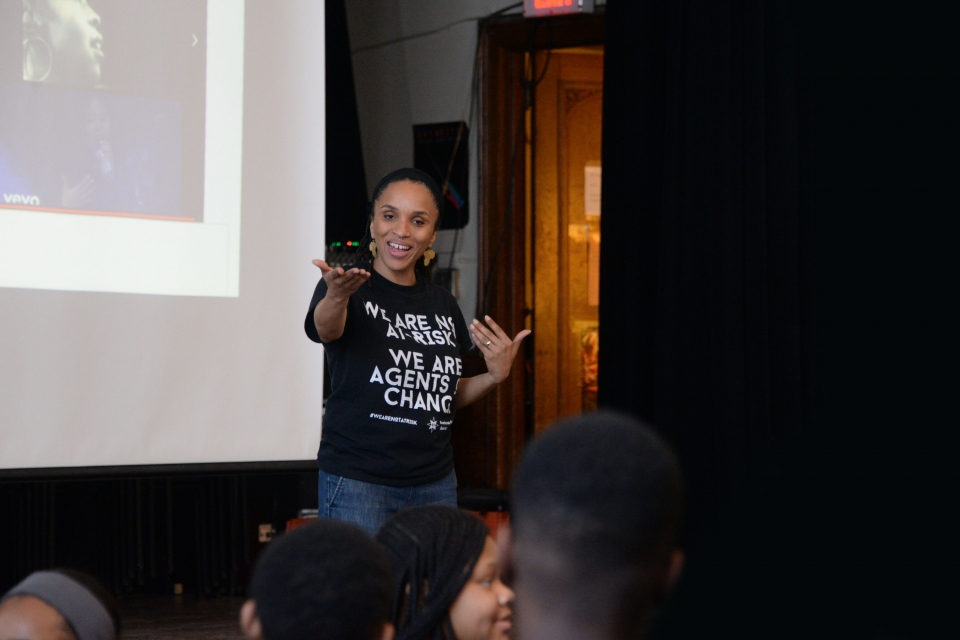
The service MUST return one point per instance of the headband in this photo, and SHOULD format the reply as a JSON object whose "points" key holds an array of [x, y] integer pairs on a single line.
{"points": [[84, 613]]}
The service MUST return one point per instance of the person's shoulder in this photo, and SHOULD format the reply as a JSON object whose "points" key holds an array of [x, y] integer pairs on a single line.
{"points": [[442, 299], [437, 292]]}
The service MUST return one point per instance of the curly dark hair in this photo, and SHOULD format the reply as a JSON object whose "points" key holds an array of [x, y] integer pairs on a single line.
{"points": [[595, 511], [328, 579]]}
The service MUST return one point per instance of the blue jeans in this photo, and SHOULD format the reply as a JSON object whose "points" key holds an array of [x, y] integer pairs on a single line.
{"points": [[369, 505]]}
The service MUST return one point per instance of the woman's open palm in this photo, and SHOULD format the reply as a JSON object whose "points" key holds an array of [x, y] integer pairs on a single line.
{"points": [[342, 284], [498, 348]]}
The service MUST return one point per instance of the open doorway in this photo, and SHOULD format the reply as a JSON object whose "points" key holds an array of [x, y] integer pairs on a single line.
{"points": [[540, 89], [563, 231]]}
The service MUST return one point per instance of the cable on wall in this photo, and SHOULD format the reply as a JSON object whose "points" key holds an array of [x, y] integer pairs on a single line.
{"points": [[423, 34]]}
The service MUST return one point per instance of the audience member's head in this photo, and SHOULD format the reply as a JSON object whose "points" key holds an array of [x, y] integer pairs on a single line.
{"points": [[59, 605], [446, 576], [596, 508], [325, 580]]}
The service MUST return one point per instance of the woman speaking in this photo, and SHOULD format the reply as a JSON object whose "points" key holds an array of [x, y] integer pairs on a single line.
{"points": [[394, 343]]}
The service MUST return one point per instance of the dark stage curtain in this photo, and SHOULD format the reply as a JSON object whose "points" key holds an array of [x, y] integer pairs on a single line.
{"points": [[777, 277], [705, 322]]}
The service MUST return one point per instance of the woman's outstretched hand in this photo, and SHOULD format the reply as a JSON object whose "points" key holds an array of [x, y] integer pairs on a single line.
{"points": [[497, 347], [342, 284]]}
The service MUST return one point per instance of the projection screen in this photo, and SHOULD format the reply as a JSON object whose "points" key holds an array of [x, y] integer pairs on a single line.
{"points": [[138, 324]]}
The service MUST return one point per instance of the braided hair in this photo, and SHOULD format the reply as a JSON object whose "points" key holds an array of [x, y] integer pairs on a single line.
{"points": [[399, 175], [433, 550]]}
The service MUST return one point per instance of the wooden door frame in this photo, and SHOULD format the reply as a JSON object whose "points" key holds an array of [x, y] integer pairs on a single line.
{"points": [[490, 434], [569, 79]]}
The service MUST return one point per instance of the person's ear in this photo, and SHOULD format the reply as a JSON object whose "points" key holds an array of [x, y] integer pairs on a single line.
{"points": [[388, 632], [674, 569], [250, 622]]}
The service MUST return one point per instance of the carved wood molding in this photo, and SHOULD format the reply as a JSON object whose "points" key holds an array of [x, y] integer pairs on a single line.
{"points": [[574, 95]]}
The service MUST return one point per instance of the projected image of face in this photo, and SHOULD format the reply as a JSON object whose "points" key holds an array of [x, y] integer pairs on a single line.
{"points": [[62, 43]]}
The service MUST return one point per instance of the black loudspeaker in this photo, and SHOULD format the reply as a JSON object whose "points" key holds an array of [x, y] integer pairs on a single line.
{"points": [[441, 151]]}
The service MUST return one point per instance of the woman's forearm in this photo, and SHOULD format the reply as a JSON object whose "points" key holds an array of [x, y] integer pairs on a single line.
{"points": [[472, 389], [330, 317]]}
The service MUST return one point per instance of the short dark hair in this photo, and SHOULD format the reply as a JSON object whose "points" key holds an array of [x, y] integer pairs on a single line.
{"points": [[595, 511], [328, 579]]}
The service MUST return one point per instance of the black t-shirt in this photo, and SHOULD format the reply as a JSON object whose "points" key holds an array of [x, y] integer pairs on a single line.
{"points": [[393, 376]]}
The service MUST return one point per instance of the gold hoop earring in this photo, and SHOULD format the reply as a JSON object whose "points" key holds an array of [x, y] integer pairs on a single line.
{"points": [[373, 248], [429, 255], [37, 59]]}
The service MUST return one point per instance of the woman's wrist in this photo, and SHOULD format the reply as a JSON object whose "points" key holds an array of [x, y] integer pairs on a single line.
{"points": [[336, 299], [493, 379]]}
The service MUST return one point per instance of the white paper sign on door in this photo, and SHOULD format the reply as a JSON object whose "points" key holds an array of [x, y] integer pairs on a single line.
{"points": [[591, 190]]}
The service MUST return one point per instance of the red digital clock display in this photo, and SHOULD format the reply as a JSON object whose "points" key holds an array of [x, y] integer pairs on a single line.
{"points": [[540, 8]]}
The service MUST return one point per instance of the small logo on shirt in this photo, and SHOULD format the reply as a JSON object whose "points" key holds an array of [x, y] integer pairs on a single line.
{"points": [[433, 424]]}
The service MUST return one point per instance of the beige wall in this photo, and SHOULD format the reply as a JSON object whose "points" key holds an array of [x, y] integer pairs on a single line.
{"points": [[418, 81]]}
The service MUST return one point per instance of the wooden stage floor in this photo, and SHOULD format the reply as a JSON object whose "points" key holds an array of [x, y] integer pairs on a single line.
{"points": [[180, 617]]}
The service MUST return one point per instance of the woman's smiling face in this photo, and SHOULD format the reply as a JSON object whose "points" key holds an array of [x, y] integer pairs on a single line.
{"points": [[404, 225], [484, 608], [27, 617]]}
